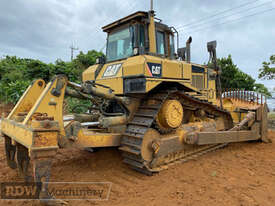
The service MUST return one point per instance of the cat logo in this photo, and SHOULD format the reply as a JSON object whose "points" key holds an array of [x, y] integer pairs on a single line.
{"points": [[154, 70]]}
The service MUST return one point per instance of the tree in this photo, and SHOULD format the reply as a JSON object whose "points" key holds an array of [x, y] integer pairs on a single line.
{"points": [[260, 88], [17, 73], [83, 61], [36, 69], [233, 77], [267, 72]]}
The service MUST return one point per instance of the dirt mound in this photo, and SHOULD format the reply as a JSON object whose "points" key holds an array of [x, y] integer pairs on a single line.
{"points": [[240, 174]]}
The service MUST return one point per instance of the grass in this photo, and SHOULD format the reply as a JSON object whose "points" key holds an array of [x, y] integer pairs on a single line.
{"points": [[271, 115]]}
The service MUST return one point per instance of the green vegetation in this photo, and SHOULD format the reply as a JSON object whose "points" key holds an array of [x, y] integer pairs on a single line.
{"points": [[271, 115], [267, 72], [16, 74], [233, 77]]}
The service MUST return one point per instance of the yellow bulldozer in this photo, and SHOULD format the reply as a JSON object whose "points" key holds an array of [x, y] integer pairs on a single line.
{"points": [[149, 101]]}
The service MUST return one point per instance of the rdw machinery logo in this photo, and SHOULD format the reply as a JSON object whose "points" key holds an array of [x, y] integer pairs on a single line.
{"points": [[20, 190]]}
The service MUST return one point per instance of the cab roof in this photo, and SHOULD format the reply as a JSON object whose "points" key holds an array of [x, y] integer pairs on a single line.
{"points": [[134, 16]]}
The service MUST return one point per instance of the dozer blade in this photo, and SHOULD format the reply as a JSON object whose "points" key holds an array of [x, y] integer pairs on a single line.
{"points": [[232, 135]]}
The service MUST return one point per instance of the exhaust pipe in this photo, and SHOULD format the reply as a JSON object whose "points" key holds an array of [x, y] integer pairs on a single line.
{"points": [[188, 49]]}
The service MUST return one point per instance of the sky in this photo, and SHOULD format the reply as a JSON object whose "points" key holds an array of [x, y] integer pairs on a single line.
{"points": [[45, 29]]}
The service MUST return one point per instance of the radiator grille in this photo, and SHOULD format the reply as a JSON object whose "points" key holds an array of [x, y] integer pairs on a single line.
{"points": [[198, 81]]}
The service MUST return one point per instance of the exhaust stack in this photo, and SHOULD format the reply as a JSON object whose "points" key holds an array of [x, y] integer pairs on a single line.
{"points": [[152, 5], [188, 49]]}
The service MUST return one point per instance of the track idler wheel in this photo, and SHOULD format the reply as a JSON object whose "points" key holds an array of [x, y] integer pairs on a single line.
{"points": [[10, 153], [170, 116]]}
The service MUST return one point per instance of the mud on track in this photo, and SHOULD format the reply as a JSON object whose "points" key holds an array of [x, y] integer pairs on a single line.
{"points": [[240, 174]]}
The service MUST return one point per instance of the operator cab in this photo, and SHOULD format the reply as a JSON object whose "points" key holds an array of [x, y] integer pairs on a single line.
{"points": [[131, 36]]}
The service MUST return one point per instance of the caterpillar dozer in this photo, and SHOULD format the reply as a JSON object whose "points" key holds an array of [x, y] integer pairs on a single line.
{"points": [[148, 101]]}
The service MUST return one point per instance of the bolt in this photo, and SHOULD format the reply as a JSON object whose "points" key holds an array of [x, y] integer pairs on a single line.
{"points": [[40, 83], [191, 138], [156, 146]]}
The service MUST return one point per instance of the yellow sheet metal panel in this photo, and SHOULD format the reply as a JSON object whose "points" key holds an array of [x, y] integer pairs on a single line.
{"points": [[17, 132], [151, 84], [212, 91], [152, 35], [153, 59], [50, 104], [89, 74], [29, 137], [234, 106], [134, 66], [111, 70], [235, 116], [115, 83], [172, 69], [111, 74], [205, 79], [187, 71], [93, 139], [212, 85], [45, 139], [29, 98]]}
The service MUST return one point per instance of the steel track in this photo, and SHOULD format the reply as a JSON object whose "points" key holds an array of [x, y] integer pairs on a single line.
{"points": [[144, 119]]}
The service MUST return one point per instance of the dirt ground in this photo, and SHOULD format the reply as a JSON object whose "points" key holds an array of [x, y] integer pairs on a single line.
{"points": [[240, 174]]}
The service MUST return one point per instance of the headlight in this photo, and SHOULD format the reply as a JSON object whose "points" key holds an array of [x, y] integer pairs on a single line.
{"points": [[100, 60], [97, 61], [136, 51]]}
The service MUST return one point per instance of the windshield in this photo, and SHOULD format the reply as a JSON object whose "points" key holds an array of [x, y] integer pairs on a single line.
{"points": [[120, 44]]}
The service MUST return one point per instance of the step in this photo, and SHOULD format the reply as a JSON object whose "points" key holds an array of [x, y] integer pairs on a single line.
{"points": [[136, 136], [129, 150], [131, 145], [140, 124], [133, 163]]}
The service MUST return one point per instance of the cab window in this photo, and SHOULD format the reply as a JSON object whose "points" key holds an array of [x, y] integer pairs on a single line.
{"points": [[172, 46], [120, 44], [141, 36], [160, 43]]}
